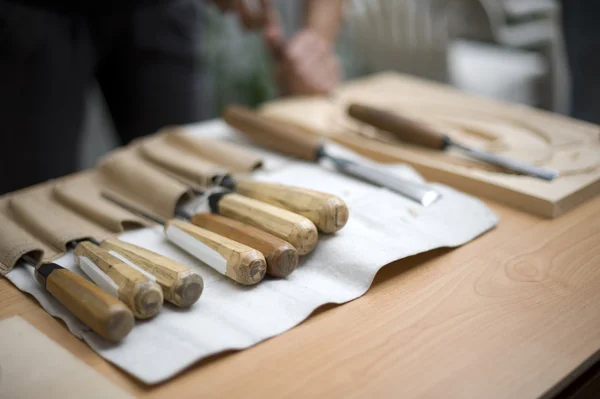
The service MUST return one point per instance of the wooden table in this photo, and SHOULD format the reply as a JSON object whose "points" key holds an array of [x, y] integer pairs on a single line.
{"points": [[514, 314]]}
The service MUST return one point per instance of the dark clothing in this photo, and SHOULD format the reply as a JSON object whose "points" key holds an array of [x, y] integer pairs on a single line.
{"points": [[581, 28], [90, 7], [144, 59]]}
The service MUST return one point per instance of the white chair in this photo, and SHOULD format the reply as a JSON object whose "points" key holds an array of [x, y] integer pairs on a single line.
{"points": [[530, 25], [427, 38]]}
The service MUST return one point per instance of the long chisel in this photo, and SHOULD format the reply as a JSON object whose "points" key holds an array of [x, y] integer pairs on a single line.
{"points": [[97, 309], [237, 261], [414, 132], [291, 140]]}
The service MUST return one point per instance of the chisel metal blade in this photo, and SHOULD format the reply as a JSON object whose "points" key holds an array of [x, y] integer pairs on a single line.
{"points": [[510, 164], [421, 193]]}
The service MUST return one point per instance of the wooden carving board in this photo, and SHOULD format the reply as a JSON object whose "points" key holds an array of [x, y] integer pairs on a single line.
{"points": [[570, 146]]}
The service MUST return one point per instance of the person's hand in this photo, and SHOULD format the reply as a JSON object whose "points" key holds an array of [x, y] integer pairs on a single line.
{"points": [[306, 64], [254, 14]]}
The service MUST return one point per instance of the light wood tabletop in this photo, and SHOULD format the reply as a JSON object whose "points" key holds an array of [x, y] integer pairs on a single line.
{"points": [[515, 313]]}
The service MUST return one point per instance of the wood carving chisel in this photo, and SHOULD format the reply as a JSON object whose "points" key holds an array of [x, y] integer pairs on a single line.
{"points": [[328, 212], [120, 278], [291, 140], [417, 133], [289, 226], [97, 309], [237, 261], [181, 285]]}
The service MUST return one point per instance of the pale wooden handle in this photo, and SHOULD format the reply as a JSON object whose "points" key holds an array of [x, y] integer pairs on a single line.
{"points": [[281, 256], [143, 296], [293, 228], [98, 310], [181, 285], [280, 136], [241, 263], [403, 127], [328, 212]]}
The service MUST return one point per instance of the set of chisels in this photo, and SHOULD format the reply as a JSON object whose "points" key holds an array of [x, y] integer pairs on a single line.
{"points": [[241, 228], [238, 236]]}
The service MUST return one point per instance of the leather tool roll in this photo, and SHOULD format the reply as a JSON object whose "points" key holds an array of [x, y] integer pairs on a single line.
{"points": [[233, 157], [49, 221], [83, 194], [16, 242], [44, 218], [180, 162], [133, 178]]}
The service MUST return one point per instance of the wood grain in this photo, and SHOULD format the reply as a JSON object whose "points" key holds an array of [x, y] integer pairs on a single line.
{"points": [[271, 134], [143, 296], [181, 285], [280, 255], [103, 313], [245, 265], [328, 212], [293, 228]]}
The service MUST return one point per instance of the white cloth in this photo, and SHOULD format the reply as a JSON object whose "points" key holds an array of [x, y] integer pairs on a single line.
{"points": [[382, 227]]}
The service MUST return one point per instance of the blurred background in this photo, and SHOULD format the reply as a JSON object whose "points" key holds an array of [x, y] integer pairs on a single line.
{"points": [[511, 50], [177, 61]]}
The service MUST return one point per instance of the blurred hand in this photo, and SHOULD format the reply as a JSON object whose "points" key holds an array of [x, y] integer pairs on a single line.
{"points": [[306, 64], [254, 14]]}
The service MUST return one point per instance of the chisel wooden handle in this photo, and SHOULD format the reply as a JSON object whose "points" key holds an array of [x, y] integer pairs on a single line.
{"points": [[98, 310], [276, 135], [404, 128], [138, 291], [181, 285], [291, 227], [238, 261], [328, 212], [281, 256]]}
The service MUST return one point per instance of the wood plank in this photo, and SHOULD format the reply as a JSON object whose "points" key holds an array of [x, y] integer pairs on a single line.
{"points": [[556, 142], [511, 314]]}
